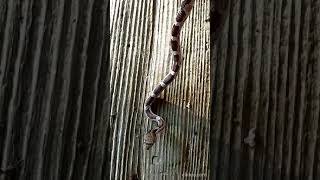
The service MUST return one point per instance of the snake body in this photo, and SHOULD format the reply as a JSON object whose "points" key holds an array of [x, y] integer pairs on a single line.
{"points": [[182, 15]]}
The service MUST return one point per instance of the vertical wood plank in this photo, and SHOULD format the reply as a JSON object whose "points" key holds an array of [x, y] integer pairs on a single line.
{"points": [[277, 86], [140, 59], [50, 105]]}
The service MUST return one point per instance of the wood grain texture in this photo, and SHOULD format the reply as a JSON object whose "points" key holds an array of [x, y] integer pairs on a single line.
{"points": [[52, 89], [265, 77], [140, 54], [245, 104]]}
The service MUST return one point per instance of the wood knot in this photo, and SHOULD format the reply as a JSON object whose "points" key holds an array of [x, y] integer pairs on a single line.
{"points": [[150, 138], [250, 139]]}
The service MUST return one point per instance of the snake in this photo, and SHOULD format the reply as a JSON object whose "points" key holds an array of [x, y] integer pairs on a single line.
{"points": [[181, 16]]}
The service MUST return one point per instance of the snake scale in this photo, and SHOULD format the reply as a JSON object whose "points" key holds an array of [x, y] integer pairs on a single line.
{"points": [[183, 13]]}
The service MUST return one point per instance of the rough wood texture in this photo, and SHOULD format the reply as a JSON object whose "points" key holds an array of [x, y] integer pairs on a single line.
{"points": [[266, 91], [52, 89], [140, 32]]}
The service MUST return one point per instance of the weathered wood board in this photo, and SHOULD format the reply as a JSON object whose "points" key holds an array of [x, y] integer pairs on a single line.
{"points": [[52, 89], [140, 59], [267, 82]]}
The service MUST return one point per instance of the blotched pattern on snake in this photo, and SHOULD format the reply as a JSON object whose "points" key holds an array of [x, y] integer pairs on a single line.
{"points": [[183, 13]]}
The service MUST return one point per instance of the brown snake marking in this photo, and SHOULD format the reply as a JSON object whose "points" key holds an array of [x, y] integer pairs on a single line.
{"points": [[183, 13]]}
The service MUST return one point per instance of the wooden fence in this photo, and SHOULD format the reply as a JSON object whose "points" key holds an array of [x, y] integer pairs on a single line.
{"points": [[245, 104]]}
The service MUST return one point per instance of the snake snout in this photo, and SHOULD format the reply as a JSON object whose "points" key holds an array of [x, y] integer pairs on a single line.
{"points": [[150, 138]]}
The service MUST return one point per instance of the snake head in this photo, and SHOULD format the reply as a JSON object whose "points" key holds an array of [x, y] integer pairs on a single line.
{"points": [[150, 138]]}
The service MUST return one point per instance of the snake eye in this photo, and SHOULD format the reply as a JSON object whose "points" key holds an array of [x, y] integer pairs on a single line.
{"points": [[149, 139], [148, 146]]}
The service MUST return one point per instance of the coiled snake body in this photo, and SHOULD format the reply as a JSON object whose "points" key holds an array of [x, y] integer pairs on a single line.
{"points": [[183, 13]]}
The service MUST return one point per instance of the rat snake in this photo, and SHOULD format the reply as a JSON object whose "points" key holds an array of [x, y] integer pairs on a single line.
{"points": [[182, 15]]}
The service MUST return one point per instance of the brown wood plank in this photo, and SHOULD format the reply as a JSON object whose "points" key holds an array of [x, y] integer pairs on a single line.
{"points": [[53, 89], [276, 92]]}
